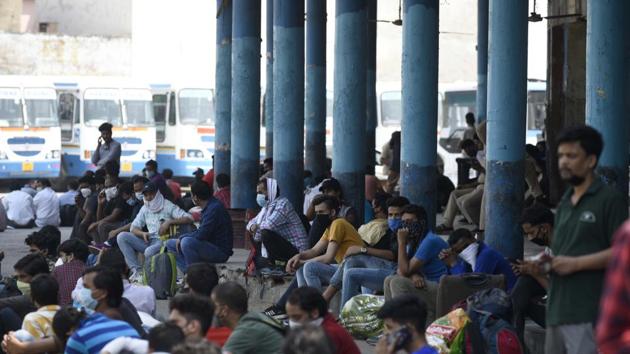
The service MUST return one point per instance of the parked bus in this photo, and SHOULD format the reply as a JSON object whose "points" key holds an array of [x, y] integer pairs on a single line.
{"points": [[85, 104], [30, 140], [184, 120]]}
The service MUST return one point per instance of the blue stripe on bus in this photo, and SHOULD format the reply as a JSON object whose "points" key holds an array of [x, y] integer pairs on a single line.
{"points": [[181, 168], [128, 140], [26, 140], [13, 169], [207, 138], [73, 166], [26, 153], [128, 152]]}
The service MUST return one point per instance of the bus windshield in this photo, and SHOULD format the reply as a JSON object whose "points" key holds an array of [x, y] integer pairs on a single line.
{"points": [[138, 107], [391, 108], [196, 107], [10, 107], [102, 105], [41, 107], [458, 103]]}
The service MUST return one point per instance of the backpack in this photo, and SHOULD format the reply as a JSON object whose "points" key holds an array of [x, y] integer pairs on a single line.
{"points": [[8, 288], [160, 273], [490, 313]]}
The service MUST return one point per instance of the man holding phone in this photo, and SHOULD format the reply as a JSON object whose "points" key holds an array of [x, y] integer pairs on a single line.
{"points": [[107, 149], [404, 317]]}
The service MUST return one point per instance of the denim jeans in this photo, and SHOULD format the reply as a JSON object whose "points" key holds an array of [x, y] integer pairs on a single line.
{"points": [[194, 250], [359, 261], [313, 274], [129, 244], [356, 278]]}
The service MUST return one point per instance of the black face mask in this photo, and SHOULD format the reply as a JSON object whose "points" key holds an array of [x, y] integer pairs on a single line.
{"points": [[539, 241], [322, 220]]}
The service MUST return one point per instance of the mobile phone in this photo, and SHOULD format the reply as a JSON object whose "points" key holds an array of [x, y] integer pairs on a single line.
{"points": [[400, 339]]}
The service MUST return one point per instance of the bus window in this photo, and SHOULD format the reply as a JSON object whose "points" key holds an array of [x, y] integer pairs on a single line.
{"points": [[41, 107], [391, 109], [138, 107], [172, 110], [100, 106], [458, 103], [10, 108], [196, 107], [159, 113], [536, 110], [66, 115]]}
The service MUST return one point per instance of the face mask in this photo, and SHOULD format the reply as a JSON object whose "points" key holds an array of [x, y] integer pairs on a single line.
{"points": [[131, 202], [261, 200], [316, 323], [140, 196], [469, 254], [25, 288], [111, 193], [323, 220], [85, 300], [150, 174], [394, 224], [85, 192], [39, 189], [415, 228]]}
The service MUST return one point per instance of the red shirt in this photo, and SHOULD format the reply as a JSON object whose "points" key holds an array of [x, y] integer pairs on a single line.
{"points": [[613, 328], [218, 335], [175, 187], [67, 275], [343, 341], [223, 195], [209, 177]]}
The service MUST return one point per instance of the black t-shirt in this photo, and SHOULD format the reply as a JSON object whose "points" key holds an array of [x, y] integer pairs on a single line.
{"points": [[91, 203], [119, 203], [385, 242]]}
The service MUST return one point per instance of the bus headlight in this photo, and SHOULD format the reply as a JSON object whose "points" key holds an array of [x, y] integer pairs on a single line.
{"points": [[194, 154], [3, 155]]}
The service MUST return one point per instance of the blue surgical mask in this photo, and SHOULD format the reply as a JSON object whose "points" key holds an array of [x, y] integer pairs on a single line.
{"points": [[261, 200], [132, 201], [394, 224], [139, 196], [85, 300]]}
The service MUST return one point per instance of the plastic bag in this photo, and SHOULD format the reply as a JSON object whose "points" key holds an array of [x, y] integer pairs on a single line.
{"points": [[358, 316], [446, 333]]}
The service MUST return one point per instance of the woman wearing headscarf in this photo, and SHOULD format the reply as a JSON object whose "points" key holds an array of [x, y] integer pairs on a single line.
{"points": [[277, 227]]}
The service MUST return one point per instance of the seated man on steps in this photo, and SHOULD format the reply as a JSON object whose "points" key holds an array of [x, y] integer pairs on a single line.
{"points": [[278, 230], [318, 264]]}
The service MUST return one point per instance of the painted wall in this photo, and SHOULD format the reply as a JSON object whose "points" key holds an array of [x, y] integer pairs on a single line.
{"points": [[109, 18]]}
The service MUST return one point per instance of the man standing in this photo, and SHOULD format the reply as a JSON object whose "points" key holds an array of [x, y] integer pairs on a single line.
{"points": [[586, 218], [107, 149]]}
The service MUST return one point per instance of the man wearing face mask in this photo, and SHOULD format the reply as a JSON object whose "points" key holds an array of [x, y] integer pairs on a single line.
{"points": [[151, 172], [420, 274], [533, 282], [317, 265], [86, 188], [277, 227], [73, 254], [129, 195], [113, 209], [306, 306], [192, 313], [212, 241], [25, 269], [46, 204], [586, 218], [157, 214]]}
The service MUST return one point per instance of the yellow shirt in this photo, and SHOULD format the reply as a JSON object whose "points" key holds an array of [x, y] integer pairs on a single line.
{"points": [[344, 234], [39, 323]]}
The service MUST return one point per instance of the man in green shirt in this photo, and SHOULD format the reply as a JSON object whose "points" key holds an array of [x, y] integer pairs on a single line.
{"points": [[251, 332], [586, 218]]}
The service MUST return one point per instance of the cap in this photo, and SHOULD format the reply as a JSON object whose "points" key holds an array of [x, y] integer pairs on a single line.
{"points": [[198, 171], [329, 184], [149, 187]]}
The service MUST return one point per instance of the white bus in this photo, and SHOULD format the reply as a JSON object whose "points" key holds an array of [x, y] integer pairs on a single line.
{"points": [[88, 103], [30, 138]]}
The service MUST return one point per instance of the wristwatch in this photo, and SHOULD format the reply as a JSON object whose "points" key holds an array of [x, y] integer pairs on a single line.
{"points": [[363, 249]]}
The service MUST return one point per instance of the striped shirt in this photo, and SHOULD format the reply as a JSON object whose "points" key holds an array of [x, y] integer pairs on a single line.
{"points": [[39, 323], [280, 217], [95, 332]]}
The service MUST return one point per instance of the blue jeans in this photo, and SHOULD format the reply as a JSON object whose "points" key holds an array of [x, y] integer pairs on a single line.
{"points": [[313, 274], [194, 250], [355, 278], [129, 244], [359, 261]]}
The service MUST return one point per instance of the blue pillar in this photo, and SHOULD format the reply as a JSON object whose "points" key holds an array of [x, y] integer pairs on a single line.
{"points": [[245, 102], [269, 84], [607, 85], [507, 99], [223, 88], [482, 59], [350, 98], [419, 103], [315, 110], [288, 96], [370, 127]]}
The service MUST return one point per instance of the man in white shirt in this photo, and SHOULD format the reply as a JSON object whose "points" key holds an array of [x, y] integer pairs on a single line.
{"points": [[46, 204], [19, 208]]}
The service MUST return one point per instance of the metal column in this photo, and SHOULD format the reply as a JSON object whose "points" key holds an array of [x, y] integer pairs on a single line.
{"points": [[315, 110], [288, 96], [350, 98], [419, 103], [482, 60], [507, 99], [223, 88], [269, 83], [607, 85], [245, 102], [370, 128]]}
